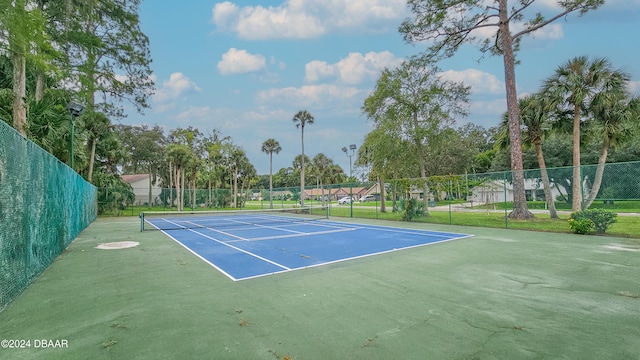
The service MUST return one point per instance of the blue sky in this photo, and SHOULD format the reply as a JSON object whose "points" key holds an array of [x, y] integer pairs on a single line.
{"points": [[246, 67]]}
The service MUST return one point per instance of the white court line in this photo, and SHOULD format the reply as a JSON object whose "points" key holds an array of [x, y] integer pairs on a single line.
{"points": [[241, 250], [199, 256], [233, 247], [357, 257], [219, 231], [297, 235], [348, 227], [265, 226], [407, 231]]}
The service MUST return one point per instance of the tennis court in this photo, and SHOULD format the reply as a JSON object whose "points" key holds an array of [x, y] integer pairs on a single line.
{"points": [[500, 294], [249, 244]]}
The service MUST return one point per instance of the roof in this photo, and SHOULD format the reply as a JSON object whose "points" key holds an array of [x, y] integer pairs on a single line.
{"points": [[134, 178]]}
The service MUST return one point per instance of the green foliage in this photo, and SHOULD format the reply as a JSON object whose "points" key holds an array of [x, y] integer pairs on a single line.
{"points": [[114, 194], [602, 219], [580, 225], [584, 222], [412, 209]]}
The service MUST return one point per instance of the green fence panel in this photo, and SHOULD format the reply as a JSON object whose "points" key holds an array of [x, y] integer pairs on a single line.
{"points": [[44, 205]]}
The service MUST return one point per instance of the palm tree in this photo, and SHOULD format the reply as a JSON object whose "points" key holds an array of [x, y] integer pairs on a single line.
{"points": [[534, 117], [321, 164], [572, 88], [178, 155], [615, 116], [97, 125], [334, 175], [236, 158], [247, 173], [271, 146], [301, 119]]}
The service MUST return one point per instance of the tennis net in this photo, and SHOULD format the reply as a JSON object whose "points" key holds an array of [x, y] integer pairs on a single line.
{"points": [[175, 220]]}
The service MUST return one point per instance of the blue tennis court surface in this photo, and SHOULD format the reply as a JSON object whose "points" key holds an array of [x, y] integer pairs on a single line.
{"points": [[244, 250]]}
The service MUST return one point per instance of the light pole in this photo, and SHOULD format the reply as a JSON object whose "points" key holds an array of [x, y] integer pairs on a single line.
{"points": [[75, 109], [352, 148]]}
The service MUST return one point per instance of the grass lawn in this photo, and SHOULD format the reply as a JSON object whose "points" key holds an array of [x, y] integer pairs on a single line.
{"points": [[625, 226], [493, 215]]}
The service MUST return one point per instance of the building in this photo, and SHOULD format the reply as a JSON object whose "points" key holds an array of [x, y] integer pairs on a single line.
{"points": [[140, 184], [497, 191]]}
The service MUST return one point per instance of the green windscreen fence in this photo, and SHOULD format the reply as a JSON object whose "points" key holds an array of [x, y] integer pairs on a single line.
{"points": [[44, 205]]}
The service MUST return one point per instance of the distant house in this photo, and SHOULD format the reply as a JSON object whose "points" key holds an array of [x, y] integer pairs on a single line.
{"points": [[355, 192], [316, 194], [501, 191], [495, 191], [333, 193], [418, 193], [140, 185], [374, 190], [281, 194]]}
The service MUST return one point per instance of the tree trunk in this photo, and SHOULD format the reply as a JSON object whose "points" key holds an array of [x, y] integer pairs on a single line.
{"points": [[40, 85], [235, 187], [597, 181], [92, 147], [383, 207], [422, 165], [194, 201], [176, 187], [209, 193], [576, 203], [520, 208], [182, 183], [19, 94], [551, 205], [302, 168], [243, 195], [170, 185], [271, 180], [150, 189]]}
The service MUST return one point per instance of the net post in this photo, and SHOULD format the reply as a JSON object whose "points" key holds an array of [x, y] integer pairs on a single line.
{"points": [[142, 221]]}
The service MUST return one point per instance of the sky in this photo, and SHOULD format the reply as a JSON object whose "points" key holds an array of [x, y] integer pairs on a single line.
{"points": [[246, 67]]}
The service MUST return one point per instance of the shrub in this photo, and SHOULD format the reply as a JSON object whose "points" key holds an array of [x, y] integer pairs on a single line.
{"points": [[602, 219], [584, 222], [412, 209], [581, 225]]}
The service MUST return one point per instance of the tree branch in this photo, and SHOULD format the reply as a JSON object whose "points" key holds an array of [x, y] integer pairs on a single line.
{"points": [[544, 23]]}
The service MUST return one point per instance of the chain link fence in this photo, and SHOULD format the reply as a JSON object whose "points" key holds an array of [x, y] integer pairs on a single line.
{"points": [[44, 205], [614, 186]]}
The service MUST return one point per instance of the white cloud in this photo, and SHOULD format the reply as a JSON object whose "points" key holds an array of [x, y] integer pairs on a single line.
{"points": [[622, 4], [194, 112], [224, 14], [486, 113], [317, 70], [310, 95], [354, 69], [549, 32], [172, 89], [480, 82], [634, 87], [237, 61], [497, 106], [302, 19], [264, 114], [205, 117]]}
